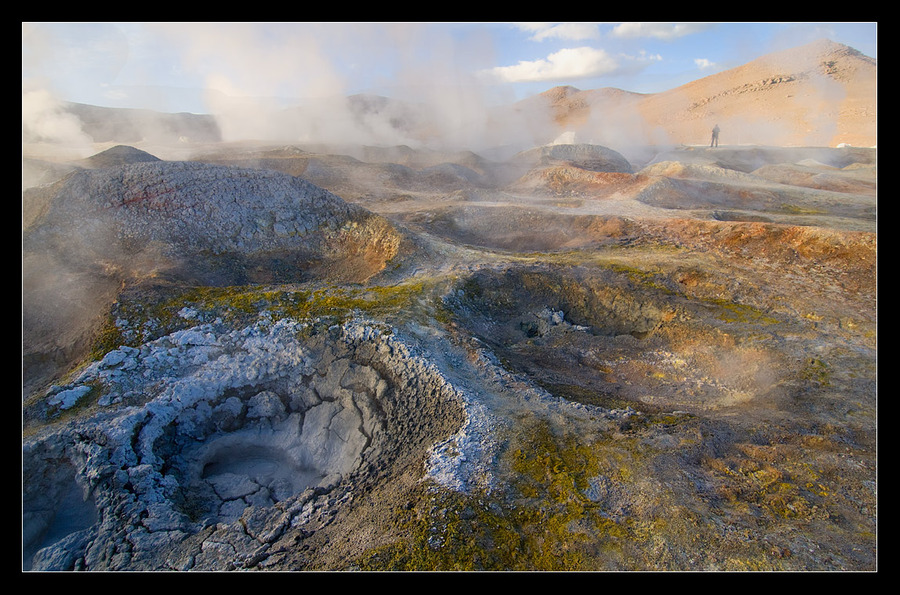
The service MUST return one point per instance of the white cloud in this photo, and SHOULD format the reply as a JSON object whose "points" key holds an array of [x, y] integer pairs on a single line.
{"points": [[704, 64], [571, 63], [664, 31], [566, 31]]}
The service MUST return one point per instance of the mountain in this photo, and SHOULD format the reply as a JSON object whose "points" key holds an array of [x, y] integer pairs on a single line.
{"points": [[572, 108], [123, 125], [820, 94]]}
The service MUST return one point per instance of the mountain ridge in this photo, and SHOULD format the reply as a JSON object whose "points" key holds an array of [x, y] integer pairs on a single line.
{"points": [[819, 94], [822, 93]]}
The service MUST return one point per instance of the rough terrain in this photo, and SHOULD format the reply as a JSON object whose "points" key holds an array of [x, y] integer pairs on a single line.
{"points": [[667, 368], [288, 357]]}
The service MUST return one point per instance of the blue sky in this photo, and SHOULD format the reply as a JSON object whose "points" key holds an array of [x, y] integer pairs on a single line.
{"points": [[171, 66]]}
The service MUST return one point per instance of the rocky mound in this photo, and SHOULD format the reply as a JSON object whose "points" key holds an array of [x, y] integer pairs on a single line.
{"points": [[189, 218], [371, 173], [797, 186], [583, 156], [571, 181], [185, 223], [749, 159], [119, 155], [852, 179]]}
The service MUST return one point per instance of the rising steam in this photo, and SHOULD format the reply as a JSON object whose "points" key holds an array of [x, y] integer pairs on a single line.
{"points": [[46, 122], [292, 82]]}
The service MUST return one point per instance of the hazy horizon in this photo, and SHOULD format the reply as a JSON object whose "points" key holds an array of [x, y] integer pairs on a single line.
{"points": [[246, 75]]}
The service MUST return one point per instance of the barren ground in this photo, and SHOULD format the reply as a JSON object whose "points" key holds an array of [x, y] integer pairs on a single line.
{"points": [[667, 368]]}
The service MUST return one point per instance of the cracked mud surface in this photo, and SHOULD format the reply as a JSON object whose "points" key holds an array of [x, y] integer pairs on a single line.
{"points": [[671, 368], [203, 453]]}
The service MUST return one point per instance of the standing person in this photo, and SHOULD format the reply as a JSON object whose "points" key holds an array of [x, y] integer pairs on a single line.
{"points": [[715, 137]]}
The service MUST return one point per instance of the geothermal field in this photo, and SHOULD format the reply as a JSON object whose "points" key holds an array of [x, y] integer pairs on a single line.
{"points": [[571, 353]]}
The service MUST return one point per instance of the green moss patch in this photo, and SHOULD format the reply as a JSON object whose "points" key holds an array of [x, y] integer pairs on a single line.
{"points": [[546, 521], [138, 319]]}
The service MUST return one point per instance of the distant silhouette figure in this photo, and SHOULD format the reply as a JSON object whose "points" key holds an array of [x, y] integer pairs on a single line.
{"points": [[715, 137]]}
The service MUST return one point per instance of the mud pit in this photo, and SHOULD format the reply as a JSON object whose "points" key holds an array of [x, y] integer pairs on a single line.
{"points": [[276, 452], [57, 510], [596, 335], [247, 434]]}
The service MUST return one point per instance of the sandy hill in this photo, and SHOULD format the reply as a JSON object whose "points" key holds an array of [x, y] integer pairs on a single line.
{"points": [[820, 94]]}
